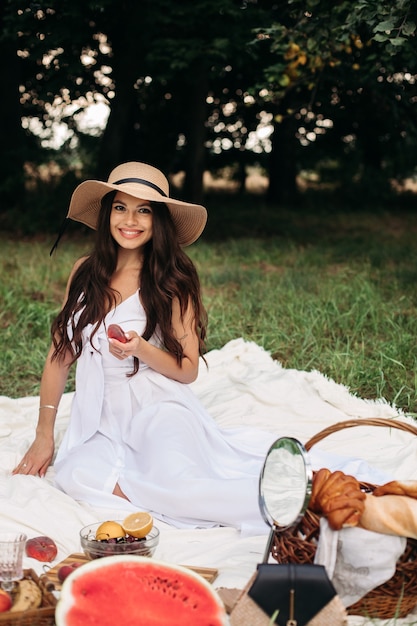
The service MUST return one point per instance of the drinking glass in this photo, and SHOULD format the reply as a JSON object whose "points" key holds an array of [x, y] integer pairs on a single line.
{"points": [[11, 559]]}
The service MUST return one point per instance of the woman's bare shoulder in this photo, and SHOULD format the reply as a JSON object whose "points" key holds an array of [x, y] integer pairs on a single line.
{"points": [[78, 264], [75, 267]]}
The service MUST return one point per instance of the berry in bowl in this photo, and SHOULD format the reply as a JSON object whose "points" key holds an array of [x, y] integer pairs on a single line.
{"points": [[136, 534]]}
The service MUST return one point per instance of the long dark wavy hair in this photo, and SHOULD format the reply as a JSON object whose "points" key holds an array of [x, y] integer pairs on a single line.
{"points": [[167, 273]]}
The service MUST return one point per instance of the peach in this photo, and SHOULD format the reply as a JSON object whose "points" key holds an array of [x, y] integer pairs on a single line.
{"points": [[65, 570], [5, 601], [115, 332], [41, 548]]}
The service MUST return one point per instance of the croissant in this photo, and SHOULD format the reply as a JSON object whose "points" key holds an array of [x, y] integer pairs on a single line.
{"points": [[319, 480], [396, 487], [338, 497], [391, 509], [346, 517]]}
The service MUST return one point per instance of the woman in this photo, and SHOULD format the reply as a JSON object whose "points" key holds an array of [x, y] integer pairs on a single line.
{"points": [[138, 437]]}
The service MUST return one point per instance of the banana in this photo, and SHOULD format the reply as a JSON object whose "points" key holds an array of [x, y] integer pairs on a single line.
{"points": [[28, 596]]}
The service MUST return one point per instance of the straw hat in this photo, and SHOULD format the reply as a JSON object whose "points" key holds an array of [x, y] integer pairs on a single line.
{"points": [[141, 181]]}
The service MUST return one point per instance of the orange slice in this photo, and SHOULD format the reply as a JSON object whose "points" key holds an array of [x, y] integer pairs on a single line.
{"points": [[110, 530], [138, 524]]}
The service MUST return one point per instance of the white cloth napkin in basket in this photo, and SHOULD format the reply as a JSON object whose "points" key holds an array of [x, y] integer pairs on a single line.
{"points": [[357, 560]]}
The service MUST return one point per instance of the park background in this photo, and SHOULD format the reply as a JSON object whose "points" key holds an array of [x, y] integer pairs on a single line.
{"points": [[294, 122]]}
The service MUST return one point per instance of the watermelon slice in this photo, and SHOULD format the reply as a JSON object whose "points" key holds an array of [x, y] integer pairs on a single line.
{"points": [[132, 590]]}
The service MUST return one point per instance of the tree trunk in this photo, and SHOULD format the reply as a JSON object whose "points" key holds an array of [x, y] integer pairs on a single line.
{"points": [[12, 189], [282, 162], [119, 125], [116, 142], [370, 131], [195, 159]]}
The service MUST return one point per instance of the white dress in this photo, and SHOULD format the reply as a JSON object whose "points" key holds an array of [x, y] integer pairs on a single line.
{"points": [[152, 436]]}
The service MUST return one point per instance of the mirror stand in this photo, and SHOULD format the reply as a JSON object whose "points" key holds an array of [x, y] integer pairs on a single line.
{"points": [[285, 485]]}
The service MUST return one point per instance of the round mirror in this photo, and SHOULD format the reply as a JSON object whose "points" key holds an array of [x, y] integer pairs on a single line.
{"points": [[285, 483]]}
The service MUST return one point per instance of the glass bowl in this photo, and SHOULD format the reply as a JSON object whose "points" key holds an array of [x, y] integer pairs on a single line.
{"points": [[95, 549]]}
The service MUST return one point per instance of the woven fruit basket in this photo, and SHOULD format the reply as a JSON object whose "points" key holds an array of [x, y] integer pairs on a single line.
{"points": [[44, 615], [395, 598]]}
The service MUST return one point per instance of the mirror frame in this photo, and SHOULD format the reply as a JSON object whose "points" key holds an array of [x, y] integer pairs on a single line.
{"points": [[308, 477]]}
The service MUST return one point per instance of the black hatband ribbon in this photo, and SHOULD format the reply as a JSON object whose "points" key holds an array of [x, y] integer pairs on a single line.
{"points": [[141, 181], [60, 234]]}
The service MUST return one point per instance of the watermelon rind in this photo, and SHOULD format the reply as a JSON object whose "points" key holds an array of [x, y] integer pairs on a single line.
{"points": [[142, 607]]}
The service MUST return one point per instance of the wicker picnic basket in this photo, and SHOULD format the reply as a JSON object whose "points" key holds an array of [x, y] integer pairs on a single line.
{"points": [[395, 598], [44, 615]]}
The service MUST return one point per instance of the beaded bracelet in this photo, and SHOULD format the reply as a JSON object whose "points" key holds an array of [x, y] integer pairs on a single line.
{"points": [[48, 406]]}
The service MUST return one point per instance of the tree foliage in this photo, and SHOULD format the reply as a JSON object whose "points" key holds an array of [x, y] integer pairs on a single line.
{"points": [[348, 63], [187, 84]]}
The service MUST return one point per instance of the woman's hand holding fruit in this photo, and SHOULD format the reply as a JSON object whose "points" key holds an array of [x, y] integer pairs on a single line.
{"points": [[121, 344]]}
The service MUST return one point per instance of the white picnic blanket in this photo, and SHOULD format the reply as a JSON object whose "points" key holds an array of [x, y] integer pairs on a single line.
{"points": [[242, 386]]}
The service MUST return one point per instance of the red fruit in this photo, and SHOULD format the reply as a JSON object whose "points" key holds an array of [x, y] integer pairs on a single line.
{"points": [[5, 601], [41, 548], [137, 590], [115, 332], [65, 570]]}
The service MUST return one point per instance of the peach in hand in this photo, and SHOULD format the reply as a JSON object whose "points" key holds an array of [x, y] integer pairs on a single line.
{"points": [[115, 332]]}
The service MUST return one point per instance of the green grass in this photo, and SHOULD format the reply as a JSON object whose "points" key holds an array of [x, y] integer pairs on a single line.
{"points": [[331, 291]]}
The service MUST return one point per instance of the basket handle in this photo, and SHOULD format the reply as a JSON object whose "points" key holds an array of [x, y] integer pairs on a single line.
{"points": [[371, 421]]}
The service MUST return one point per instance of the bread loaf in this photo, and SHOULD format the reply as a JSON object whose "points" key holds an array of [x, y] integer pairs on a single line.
{"points": [[391, 515]]}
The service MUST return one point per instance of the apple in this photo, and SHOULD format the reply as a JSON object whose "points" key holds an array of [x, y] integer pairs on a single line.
{"points": [[65, 570], [5, 601], [115, 332], [42, 549]]}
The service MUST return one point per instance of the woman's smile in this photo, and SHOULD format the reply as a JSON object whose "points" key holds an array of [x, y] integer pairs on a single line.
{"points": [[130, 233], [130, 220]]}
